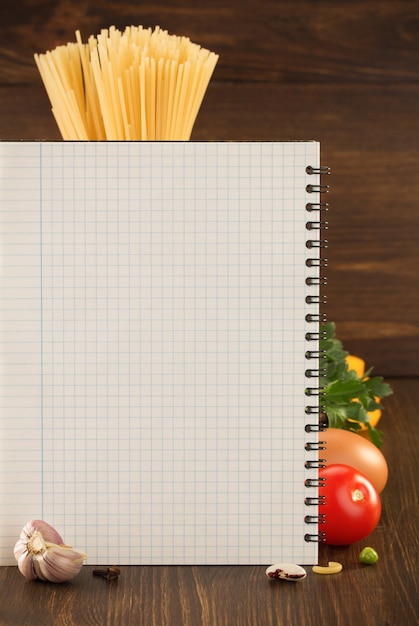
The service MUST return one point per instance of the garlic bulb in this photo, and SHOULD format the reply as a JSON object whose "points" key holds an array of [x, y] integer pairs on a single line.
{"points": [[41, 553]]}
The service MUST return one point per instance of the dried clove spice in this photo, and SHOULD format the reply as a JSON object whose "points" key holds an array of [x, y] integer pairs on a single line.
{"points": [[110, 573]]}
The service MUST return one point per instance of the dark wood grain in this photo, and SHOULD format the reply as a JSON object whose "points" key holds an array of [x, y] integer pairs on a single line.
{"points": [[370, 137], [384, 594], [264, 41], [346, 74]]}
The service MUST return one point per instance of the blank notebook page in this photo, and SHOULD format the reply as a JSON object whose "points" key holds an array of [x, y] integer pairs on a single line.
{"points": [[153, 321]]}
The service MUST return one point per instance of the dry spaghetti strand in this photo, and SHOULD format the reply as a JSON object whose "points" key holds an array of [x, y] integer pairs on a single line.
{"points": [[136, 84]]}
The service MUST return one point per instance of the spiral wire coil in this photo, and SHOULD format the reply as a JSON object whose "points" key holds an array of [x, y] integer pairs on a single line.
{"points": [[314, 353]]}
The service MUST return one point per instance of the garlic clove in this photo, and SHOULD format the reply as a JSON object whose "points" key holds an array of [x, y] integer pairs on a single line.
{"points": [[48, 532], [26, 566], [59, 563], [39, 557], [31, 532]]}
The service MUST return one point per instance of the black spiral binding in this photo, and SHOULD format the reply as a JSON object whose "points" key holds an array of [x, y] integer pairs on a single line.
{"points": [[313, 337]]}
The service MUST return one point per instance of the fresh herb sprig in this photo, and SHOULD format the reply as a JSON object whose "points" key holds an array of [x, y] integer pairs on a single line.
{"points": [[345, 398]]}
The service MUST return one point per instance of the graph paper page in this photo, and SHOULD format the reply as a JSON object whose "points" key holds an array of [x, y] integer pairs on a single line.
{"points": [[153, 321]]}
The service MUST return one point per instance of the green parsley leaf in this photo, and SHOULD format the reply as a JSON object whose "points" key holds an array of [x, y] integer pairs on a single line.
{"points": [[345, 398]]}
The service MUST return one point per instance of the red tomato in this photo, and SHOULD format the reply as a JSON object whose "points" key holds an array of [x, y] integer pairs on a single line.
{"points": [[352, 505]]}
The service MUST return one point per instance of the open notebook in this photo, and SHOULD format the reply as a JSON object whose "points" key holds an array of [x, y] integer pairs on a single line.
{"points": [[155, 304]]}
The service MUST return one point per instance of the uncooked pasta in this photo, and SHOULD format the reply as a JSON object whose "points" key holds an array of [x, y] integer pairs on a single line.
{"points": [[136, 84]]}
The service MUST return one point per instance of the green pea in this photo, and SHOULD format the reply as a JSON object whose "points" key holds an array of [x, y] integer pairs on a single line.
{"points": [[368, 556]]}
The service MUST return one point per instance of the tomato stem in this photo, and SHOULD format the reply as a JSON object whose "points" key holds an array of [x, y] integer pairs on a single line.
{"points": [[357, 495]]}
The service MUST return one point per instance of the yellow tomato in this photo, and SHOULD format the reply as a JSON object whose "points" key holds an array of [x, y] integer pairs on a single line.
{"points": [[374, 416], [346, 448], [358, 365]]}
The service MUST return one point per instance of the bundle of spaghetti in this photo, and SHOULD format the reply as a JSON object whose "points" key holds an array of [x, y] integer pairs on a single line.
{"points": [[139, 84]]}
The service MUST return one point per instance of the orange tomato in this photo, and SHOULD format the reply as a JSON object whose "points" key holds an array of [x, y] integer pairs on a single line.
{"points": [[347, 448]]}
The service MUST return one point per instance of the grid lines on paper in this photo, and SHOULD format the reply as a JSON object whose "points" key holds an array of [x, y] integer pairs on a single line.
{"points": [[172, 323], [20, 397]]}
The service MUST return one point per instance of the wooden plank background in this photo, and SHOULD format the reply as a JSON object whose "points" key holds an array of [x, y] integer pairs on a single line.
{"points": [[345, 73]]}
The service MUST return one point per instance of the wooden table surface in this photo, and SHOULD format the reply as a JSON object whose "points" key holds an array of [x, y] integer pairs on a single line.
{"points": [[343, 73], [385, 594]]}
